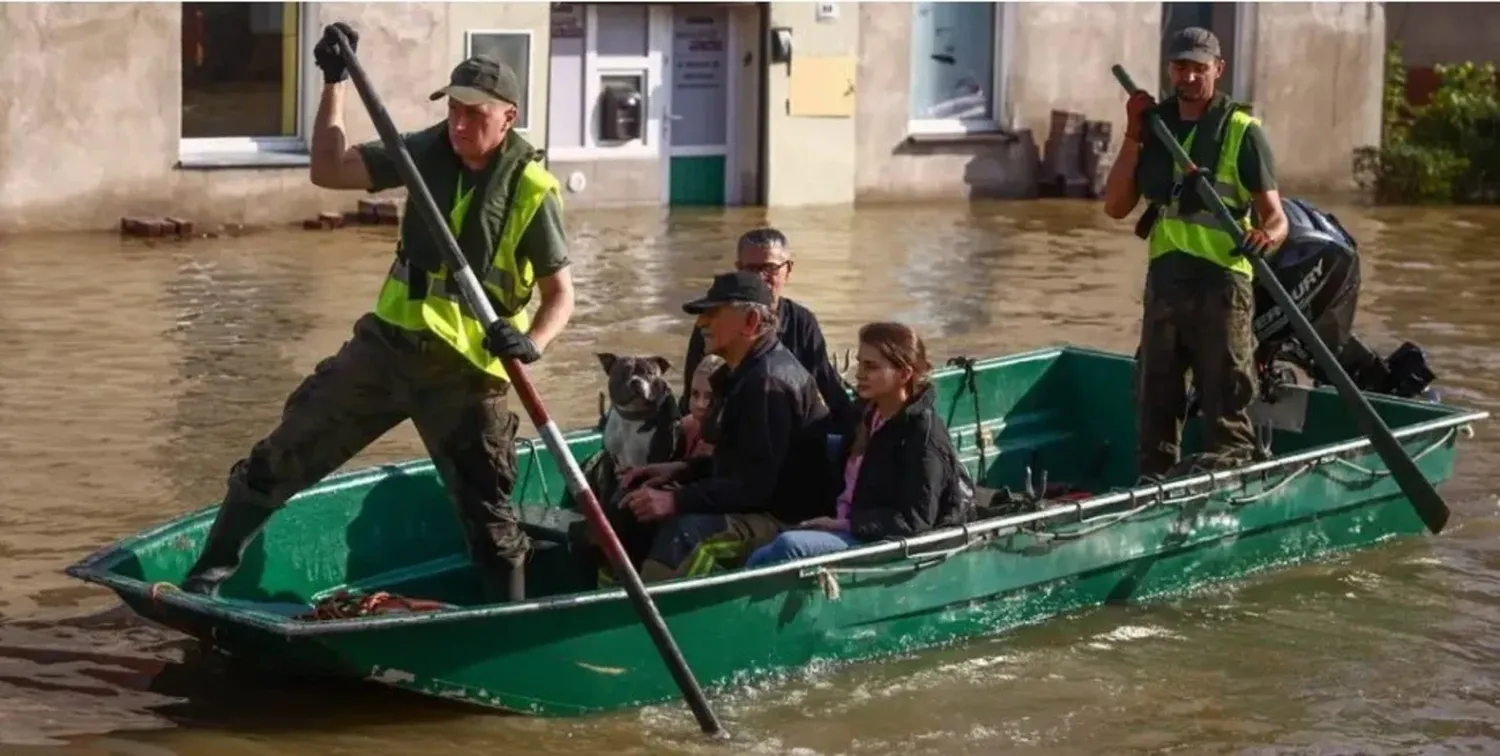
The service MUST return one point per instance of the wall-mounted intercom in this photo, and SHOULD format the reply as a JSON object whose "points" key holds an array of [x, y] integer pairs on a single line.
{"points": [[781, 44], [620, 113]]}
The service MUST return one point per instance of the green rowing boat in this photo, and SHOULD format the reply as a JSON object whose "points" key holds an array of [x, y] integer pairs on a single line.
{"points": [[1087, 537]]}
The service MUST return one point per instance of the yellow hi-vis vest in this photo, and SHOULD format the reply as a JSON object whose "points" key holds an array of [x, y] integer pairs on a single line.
{"points": [[508, 282], [1198, 234]]}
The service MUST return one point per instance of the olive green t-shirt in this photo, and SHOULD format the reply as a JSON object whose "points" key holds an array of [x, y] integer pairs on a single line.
{"points": [[543, 242]]}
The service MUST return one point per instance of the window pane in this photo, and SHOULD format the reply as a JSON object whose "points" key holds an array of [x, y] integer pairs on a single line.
{"points": [[621, 29], [952, 60], [513, 50], [239, 70]]}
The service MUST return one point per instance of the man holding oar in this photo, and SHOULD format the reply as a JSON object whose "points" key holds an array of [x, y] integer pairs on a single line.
{"points": [[420, 354], [1199, 301]]}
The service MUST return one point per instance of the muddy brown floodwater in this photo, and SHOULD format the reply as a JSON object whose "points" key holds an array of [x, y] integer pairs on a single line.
{"points": [[131, 376]]}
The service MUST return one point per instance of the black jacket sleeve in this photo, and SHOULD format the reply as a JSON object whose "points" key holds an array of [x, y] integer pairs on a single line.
{"points": [[700, 467], [762, 425], [690, 366], [912, 507], [822, 369]]}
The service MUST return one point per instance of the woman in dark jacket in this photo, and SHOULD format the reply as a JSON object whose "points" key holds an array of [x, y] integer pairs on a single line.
{"points": [[901, 476]]}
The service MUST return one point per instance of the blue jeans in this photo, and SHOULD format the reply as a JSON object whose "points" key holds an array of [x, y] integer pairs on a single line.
{"points": [[800, 544]]}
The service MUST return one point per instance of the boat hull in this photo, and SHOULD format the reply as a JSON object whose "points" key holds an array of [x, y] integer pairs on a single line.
{"points": [[585, 651]]}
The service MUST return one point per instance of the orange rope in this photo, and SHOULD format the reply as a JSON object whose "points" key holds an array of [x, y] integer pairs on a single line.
{"points": [[347, 605]]}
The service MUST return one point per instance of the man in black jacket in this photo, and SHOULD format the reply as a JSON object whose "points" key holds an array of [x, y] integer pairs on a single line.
{"points": [[770, 445], [764, 252]]}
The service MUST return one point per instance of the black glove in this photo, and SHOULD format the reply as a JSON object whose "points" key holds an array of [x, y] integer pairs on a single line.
{"points": [[326, 52], [504, 341]]}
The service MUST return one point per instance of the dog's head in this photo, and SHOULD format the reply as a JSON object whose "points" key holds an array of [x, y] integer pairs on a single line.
{"points": [[637, 385]]}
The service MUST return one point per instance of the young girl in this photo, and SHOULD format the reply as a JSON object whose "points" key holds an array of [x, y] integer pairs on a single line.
{"points": [[901, 475], [698, 401]]}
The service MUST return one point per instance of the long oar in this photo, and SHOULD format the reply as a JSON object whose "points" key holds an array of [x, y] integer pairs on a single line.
{"points": [[479, 304], [1419, 491]]}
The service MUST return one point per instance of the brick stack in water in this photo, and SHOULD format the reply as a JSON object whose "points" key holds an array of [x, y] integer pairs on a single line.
{"points": [[370, 213], [155, 227]]}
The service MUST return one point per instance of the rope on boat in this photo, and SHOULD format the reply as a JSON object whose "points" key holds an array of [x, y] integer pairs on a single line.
{"points": [[352, 604], [829, 582], [827, 576], [914, 562], [971, 384], [1263, 493], [1106, 521], [1447, 437], [158, 588], [531, 465]]}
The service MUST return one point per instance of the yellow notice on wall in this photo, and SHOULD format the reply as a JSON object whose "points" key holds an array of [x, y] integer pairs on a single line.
{"points": [[822, 87]]}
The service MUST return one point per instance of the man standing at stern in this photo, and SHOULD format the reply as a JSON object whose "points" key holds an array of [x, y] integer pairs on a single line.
{"points": [[420, 353], [1198, 303]]}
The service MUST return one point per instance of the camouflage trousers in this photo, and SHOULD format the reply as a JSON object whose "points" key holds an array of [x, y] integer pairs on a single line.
{"points": [[694, 545], [1198, 323], [380, 377]]}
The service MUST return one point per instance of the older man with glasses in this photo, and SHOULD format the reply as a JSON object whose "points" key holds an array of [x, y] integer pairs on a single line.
{"points": [[764, 252]]}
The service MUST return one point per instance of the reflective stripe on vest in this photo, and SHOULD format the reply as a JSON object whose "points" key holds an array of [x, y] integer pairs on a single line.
{"points": [[1198, 234], [508, 282]]}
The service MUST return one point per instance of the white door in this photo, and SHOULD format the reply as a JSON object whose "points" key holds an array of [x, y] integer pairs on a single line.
{"points": [[699, 105]]}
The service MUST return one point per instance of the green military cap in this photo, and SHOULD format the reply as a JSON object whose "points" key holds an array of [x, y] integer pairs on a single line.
{"points": [[1194, 43], [481, 79]]}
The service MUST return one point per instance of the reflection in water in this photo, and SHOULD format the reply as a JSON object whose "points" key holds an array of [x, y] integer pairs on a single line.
{"points": [[13, 349], [229, 312], [169, 361]]}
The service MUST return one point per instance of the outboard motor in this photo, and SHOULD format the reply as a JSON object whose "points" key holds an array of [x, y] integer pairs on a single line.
{"points": [[1318, 264]]}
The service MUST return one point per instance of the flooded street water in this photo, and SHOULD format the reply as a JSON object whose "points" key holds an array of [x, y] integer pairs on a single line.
{"points": [[132, 376]]}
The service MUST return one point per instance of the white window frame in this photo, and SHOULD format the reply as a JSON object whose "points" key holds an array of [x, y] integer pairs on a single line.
{"points": [[1001, 36], [530, 36], [235, 152], [595, 66]]}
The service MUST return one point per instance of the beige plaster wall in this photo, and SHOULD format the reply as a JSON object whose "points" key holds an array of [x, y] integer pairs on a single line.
{"points": [[810, 160], [76, 157], [1316, 85], [1037, 79]]}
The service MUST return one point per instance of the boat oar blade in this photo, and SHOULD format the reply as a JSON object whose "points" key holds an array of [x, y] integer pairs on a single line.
{"points": [[1417, 488], [479, 304]]}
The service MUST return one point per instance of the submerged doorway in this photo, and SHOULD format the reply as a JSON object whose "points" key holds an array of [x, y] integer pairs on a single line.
{"points": [[701, 106]]}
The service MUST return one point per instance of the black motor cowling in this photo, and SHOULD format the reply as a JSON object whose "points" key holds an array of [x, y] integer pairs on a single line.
{"points": [[1318, 265]]}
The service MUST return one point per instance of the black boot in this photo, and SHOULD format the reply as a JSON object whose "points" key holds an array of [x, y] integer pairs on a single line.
{"points": [[503, 581], [238, 523]]}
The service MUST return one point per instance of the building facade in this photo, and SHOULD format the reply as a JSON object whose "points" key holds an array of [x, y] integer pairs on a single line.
{"points": [[203, 110]]}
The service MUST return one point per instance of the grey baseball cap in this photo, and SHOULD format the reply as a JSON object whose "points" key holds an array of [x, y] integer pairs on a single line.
{"points": [[1194, 43]]}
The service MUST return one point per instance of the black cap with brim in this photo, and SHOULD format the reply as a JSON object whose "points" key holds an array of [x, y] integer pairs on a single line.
{"points": [[729, 288], [479, 80], [1194, 43]]}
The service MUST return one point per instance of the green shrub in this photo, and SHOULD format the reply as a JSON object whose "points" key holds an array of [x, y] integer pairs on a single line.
{"points": [[1447, 151]]}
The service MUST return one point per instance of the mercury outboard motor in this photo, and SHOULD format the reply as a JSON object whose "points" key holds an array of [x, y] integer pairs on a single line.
{"points": [[1318, 264]]}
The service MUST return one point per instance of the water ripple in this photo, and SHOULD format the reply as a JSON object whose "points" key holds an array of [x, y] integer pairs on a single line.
{"points": [[125, 397]]}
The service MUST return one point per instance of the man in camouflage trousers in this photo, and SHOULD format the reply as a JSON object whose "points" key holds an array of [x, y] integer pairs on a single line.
{"points": [[1199, 303]]}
